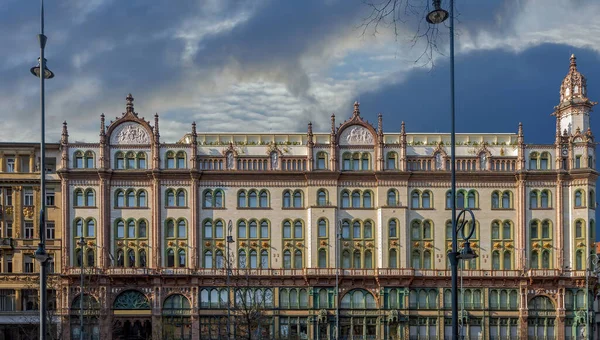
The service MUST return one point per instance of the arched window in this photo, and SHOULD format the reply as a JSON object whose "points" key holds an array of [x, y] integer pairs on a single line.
{"points": [[141, 160], [181, 257], [426, 199], [322, 197], [264, 229], [142, 229], [78, 201], [181, 229], [415, 200], [170, 160], [130, 160], [90, 228], [220, 261], [356, 199], [506, 200], [393, 228], [298, 259], [89, 160], [367, 200], [252, 199], [170, 228], [579, 198], [322, 258], [579, 260], [298, 199], [297, 229], [496, 260], [356, 259], [131, 258], [120, 229], [120, 198], [345, 229], [181, 198], [495, 200], [392, 198], [219, 229], [170, 198], [242, 199], [119, 161], [545, 161], [131, 229], [578, 229], [242, 229], [142, 255], [356, 161], [287, 259], [89, 198], [533, 199], [368, 259], [393, 258], [533, 161], [208, 199], [346, 259], [321, 160], [264, 199], [545, 199], [449, 200], [131, 198], [365, 161], [287, 199], [253, 259], [253, 229], [181, 160], [264, 259], [391, 161], [142, 199], [218, 195], [287, 229], [78, 227], [120, 258], [472, 200], [460, 199], [346, 159], [242, 259], [78, 160], [507, 260], [345, 199]]}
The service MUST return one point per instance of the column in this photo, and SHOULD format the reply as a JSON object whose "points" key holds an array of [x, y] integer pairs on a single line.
{"points": [[193, 225]]}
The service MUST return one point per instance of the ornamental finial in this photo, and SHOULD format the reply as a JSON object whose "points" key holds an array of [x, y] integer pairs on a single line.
{"points": [[129, 105], [573, 61], [380, 124], [64, 138], [402, 128], [356, 109], [102, 125], [333, 124]]}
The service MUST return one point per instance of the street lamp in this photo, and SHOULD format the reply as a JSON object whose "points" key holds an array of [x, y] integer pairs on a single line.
{"points": [[81, 244], [596, 267], [41, 255], [337, 281], [228, 268], [438, 16]]}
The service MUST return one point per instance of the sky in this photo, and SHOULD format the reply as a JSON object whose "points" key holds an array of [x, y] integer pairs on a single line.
{"points": [[267, 65]]}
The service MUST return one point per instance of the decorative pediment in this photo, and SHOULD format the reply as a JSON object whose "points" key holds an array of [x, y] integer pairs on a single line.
{"points": [[356, 131], [129, 128]]}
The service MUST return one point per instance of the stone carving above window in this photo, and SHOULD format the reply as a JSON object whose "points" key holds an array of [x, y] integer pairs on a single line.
{"points": [[130, 133], [356, 135]]}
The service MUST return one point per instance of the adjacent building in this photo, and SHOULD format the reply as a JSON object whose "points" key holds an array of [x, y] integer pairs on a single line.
{"points": [[306, 233]]}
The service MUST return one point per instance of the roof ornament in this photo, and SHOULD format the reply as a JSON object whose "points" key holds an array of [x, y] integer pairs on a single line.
{"points": [[64, 138], [356, 110], [403, 128], [520, 129], [310, 134], [194, 134], [380, 124], [156, 134], [129, 105], [102, 125], [332, 124]]}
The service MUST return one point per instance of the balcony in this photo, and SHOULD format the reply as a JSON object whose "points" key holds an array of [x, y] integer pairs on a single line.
{"points": [[7, 243]]}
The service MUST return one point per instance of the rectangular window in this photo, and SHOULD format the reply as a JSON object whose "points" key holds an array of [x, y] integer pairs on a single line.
{"points": [[50, 230], [24, 164], [49, 197], [577, 162], [28, 197], [170, 163], [120, 163], [28, 232], [9, 229], [9, 197], [9, 265], [10, 165], [28, 263], [7, 300]]}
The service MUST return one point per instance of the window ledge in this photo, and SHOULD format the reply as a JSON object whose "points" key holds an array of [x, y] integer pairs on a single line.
{"points": [[214, 208], [254, 208]]}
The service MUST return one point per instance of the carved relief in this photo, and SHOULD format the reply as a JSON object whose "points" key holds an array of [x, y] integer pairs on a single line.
{"points": [[356, 135], [130, 133], [28, 212]]}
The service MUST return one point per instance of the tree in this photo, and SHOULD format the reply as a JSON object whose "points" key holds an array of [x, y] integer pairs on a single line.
{"points": [[30, 300], [392, 14]]}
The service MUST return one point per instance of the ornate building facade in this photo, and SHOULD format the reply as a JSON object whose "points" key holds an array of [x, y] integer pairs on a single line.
{"points": [[304, 233]]}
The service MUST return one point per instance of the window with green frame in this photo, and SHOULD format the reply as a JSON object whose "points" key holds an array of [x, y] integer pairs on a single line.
{"points": [[293, 243], [360, 232], [541, 244], [254, 242], [504, 299], [467, 298], [394, 298], [421, 236], [422, 298], [293, 298]]}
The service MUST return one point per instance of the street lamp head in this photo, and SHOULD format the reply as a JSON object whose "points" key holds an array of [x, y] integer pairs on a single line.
{"points": [[229, 239], [438, 15], [36, 70], [81, 242], [467, 253]]}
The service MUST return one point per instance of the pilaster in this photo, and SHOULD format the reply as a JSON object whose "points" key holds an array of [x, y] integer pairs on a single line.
{"points": [[559, 257]]}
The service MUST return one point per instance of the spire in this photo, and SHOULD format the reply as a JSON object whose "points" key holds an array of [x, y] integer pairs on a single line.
{"points": [[332, 124], [356, 110], [64, 138], [310, 134], [574, 85], [380, 124], [129, 105], [520, 133], [573, 66], [194, 134], [102, 125], [156, 134], [402, 129]]}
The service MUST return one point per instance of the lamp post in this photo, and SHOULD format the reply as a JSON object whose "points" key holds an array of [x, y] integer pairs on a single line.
{"points": [[437, 16], [587, 291], [337, 276], [228, 268], [81, 244], [41, 255]]}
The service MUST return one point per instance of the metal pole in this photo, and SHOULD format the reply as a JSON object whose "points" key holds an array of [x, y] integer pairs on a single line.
{"points": [[81, 243], [337, 274], [453, 259], [42, 221], [587, 296], [228, 268]]}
